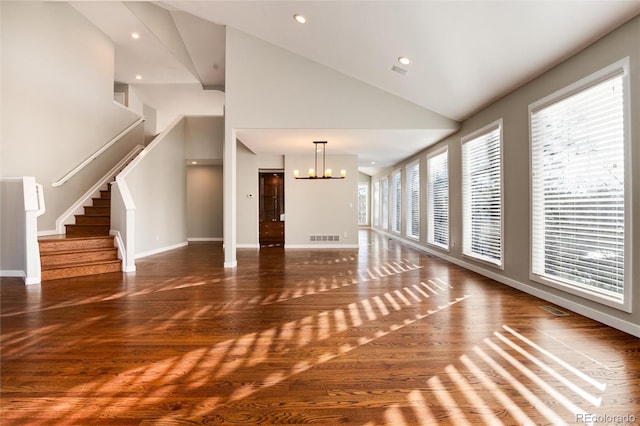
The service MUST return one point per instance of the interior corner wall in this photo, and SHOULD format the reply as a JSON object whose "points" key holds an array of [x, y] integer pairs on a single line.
{"points": [[513, 109], [135, 103], [122, 88], [61, 109], [150, 123]]}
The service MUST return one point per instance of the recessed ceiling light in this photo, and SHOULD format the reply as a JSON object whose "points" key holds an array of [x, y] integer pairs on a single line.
{"points": [[135, 35], [404, 60], [194, 162], [138, 77], [373, 162], [300, 19]]}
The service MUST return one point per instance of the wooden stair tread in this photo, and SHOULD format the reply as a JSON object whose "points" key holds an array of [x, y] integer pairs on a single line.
{"points": [[76, 251], [87, 229], [86, 248], [82, 270], [71, 241], [59, 238], [53, 245], [80, 264]]}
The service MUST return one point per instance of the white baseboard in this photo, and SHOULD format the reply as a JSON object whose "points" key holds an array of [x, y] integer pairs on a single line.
{"points": [[20, 274], [251, 246], [12, 273], [47, 232], [594, 314], [159, 250], [321, 246], [205, 239]]}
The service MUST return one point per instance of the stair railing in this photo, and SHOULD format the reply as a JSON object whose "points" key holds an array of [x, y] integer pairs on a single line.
{"points": [[96, 154], [67, 217]]}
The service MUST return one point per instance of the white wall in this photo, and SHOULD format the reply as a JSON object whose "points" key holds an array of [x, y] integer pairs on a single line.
{"points": [[247, 207], [204, 202], [12, 226], [174, 100], [57, 98], [158, 187], [321, 207], [513, 109], [204, 137], [292, 92]]}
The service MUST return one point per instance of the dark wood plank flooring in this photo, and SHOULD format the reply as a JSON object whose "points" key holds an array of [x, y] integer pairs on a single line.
{"points": [[380, 335]]}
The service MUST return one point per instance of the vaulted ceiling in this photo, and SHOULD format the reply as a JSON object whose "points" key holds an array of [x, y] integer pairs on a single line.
{"points": [[464, 54]]}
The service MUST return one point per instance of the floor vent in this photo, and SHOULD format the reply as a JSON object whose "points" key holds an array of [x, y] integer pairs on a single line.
{"points": [[324, 238], [554, 311]]}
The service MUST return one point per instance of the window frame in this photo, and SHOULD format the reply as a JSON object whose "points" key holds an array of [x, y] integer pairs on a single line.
{"points": [[618, 68], [495, 125], [430, 156]]}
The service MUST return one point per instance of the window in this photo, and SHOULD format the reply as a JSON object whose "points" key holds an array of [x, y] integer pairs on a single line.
{"points": [[578, 188], [363, 203], [396, 201], [438, 199], [376, 203], [413, 200], [384, 202], [482, 194]]}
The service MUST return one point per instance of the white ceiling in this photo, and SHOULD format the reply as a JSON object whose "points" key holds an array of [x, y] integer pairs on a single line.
{"points": [[465, 54]]}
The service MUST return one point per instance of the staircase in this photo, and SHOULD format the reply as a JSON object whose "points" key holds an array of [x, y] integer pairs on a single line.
{"points": [[96, 219], [87, 248]]}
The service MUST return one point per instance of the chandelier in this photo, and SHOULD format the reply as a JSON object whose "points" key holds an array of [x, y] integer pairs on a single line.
{"points": [[320, 146]]}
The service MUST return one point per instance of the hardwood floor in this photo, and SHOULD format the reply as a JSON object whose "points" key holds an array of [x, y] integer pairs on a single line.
{"points": [[380, 335]]}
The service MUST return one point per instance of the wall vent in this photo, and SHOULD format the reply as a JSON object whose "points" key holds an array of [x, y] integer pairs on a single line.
{"points": [[324, 238], [399, 70]]}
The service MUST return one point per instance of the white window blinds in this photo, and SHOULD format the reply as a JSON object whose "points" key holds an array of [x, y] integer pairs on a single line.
{"points": [[578, 188], [413, 200], [438, 199], [376, 203], [482, 195], [396, 201], [363, 203], [384, 201]]}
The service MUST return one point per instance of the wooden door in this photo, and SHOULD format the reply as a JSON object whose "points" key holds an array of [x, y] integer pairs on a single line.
{"points": [[271, 209]]}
